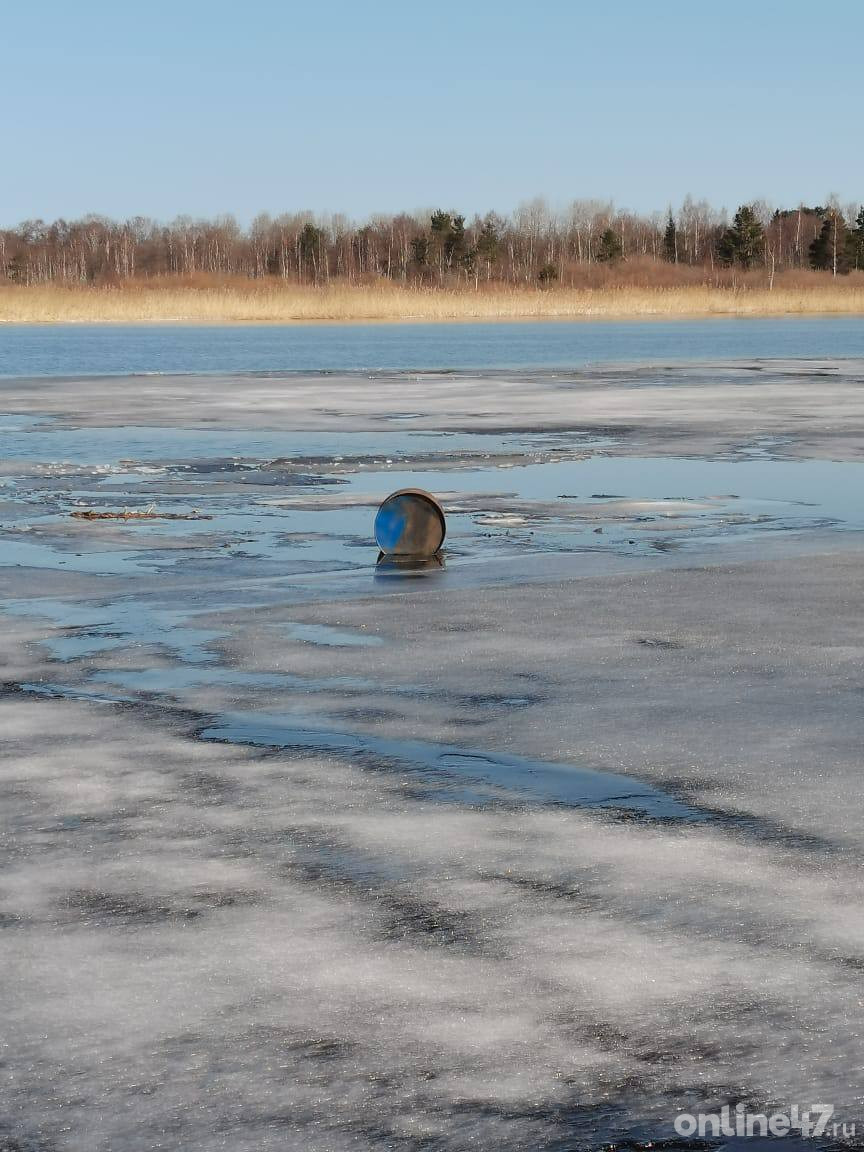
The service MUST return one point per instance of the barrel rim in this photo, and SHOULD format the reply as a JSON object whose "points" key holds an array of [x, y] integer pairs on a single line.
{"points": [[430, 499]]}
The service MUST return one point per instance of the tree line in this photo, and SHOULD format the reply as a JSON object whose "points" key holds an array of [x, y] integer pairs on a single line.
{"points": [[533, 245]]}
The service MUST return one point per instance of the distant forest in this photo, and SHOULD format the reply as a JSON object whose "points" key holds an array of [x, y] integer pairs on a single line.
{"points": [[533, 246]]}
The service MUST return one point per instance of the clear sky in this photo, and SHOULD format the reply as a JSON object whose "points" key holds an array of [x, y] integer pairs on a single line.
{"points": [[210, 106]]}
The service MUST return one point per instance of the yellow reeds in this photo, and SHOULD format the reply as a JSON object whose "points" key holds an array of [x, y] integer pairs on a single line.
{"points": [[273, 302]]}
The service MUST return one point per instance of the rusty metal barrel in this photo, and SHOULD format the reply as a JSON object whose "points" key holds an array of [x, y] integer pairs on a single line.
{"points": [[410, 523]]}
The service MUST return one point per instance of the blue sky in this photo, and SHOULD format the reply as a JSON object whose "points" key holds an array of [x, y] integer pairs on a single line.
{"points": [[201, 108]]}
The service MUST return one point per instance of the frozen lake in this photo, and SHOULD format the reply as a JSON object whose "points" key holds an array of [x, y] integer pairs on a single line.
{"points": [[533, 849], [83, 350]]}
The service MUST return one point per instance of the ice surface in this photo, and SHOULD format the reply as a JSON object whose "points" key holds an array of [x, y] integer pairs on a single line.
{"points": [[819, 403], [297, 859]]}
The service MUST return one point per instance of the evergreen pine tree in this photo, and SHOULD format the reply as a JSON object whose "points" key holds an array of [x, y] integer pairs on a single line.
{"points": [[448, 240], [309, 248], [742, 243], [855, 242], [829, 252], [609, 248], [440, 225], [819, 250], [488, 242], [454, 242], [670, 241]]}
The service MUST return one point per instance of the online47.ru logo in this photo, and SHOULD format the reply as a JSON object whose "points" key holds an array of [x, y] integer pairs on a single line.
{"points": [[813, 1121]]}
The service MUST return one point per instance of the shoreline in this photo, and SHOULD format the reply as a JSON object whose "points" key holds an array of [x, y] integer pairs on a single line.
{"points": [[426, 321], [268, 305]]}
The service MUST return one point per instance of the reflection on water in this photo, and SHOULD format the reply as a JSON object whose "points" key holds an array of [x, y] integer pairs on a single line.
{"points": [[498, 774], [266, 521], [390, 567]]}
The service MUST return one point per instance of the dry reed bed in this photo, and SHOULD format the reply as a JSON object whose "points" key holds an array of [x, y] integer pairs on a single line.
{"points": [[286, 304]]}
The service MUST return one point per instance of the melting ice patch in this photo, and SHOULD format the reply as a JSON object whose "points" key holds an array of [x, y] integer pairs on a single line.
{"points": [[520, 779], [332, 637]]}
